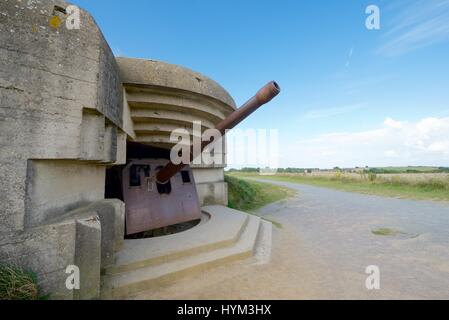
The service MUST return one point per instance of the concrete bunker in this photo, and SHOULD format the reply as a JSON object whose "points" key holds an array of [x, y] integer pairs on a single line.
{"points": [[72, 117]]}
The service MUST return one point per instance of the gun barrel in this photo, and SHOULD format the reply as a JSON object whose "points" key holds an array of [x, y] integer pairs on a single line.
{"points": [[263, 96]]}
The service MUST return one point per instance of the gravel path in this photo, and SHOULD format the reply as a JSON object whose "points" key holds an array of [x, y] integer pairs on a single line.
{"points": [[325, 245], [337, 228]]}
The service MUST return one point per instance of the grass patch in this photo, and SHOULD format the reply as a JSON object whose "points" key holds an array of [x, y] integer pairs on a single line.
{"points": [[397, 188], [386, 232], [17, 284], [249, 196]]}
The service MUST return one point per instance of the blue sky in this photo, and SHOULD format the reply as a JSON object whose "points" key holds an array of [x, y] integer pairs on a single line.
{"points": [[351, 96]]}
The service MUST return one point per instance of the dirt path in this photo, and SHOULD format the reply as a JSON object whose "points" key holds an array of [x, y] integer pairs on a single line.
{"points": [[325, 245]]}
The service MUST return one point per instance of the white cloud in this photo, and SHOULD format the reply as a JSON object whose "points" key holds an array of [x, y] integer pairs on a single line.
{"points": [[439, 146], [417, 25], [348, 61], [391, 154], [394, 143], [393, 124], [351, 52]]}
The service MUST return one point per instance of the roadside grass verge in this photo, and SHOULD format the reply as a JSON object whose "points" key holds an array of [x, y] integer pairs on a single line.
{"points": [[386, 232], [430, 189], [249, 196], [18, 284]]}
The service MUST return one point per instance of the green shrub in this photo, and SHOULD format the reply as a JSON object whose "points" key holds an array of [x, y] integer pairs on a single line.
{"points": [[372, 176], [241, 193], [17, 284], [338, 175]]}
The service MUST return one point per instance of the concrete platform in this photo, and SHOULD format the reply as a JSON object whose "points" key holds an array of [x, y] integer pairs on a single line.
{"points": [[148, 263], [223, 228]]}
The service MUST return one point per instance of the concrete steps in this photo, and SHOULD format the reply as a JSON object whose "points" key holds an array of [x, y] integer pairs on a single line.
{"points": [[229, 235]]}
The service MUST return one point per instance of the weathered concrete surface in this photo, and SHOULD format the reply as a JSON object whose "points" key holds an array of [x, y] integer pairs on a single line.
{"points": [[112, 216], [52, 82], [211, 193], [50, 249], [87, 237], [54, 187], [223, 228], [128, 124], [211, 186], [161, 74], [146, 264], [64, 117], [61, 123], [47, 251], [88, 257], [208, 175], [162, 98]]}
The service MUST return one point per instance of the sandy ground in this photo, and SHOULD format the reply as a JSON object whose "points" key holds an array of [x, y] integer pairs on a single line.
{"points": [[324, 247]]}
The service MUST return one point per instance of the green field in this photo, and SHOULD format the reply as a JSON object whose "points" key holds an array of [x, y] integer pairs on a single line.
{"points": [[428, 189], [379, 170]]}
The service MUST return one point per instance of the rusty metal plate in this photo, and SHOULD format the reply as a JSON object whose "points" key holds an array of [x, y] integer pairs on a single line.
{"points": [[146, 208]]}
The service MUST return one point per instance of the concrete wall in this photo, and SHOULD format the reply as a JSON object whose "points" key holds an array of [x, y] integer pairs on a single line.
{"points": [[64, 117], [61, 123], [54, 187], [211, 186]]}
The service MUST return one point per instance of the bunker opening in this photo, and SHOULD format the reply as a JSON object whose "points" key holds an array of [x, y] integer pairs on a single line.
{"points": [[152, 208]]}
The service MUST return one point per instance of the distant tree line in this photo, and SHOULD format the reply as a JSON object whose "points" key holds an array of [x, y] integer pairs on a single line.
{"points": [[365, 170], [280, 170], [407, 170]]}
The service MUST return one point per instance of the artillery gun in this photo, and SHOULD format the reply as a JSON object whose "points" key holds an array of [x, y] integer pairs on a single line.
{"points": [[159, 193]]}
